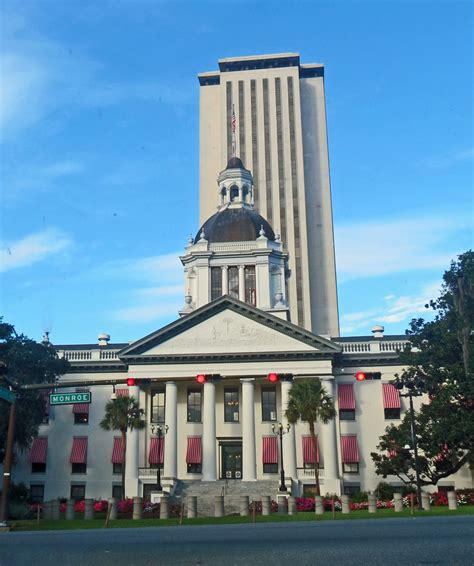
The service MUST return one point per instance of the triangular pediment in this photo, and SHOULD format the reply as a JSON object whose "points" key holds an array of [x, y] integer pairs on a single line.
{"points": [[228, 326]]}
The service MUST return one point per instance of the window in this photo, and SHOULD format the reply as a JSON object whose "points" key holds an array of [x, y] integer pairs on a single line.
{"points": [[234, 193], [78, 492], [270, 468], [347, 414], [38, 467], [269, 411], [117, 468], [158, 407], [194, 405], [81, 418], [216, 282], [233, 275], [37, 493], [351, 488], [392, 413], [194, 468], [78, 468], [350, 468], [250, 286], [155, 466], [231, 405], [117, 491]]}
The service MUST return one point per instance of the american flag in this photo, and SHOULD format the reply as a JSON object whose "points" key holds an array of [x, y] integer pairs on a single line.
{"points": [[234, 120]]}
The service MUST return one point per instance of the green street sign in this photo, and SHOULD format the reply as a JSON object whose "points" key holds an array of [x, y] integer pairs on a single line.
{"points": [[70, 398], [7, 395]]}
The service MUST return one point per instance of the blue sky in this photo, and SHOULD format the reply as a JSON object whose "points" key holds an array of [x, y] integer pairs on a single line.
{"points": [[99, 152]]}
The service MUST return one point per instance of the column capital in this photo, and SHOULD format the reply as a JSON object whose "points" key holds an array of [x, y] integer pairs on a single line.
{"points": [[247, 380], [224, 267]]}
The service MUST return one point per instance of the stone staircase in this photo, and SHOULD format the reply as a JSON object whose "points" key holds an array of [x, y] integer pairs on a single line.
{"points": [[231, 489]]}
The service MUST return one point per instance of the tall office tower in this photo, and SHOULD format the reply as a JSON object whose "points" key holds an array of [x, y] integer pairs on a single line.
{"points": [[280, 135]]}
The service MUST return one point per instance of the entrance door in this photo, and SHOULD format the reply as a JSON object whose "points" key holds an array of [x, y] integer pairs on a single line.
{"points": [[231, 460]]}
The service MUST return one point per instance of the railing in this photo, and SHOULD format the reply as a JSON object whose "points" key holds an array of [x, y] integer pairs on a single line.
{"points": [[373, 346], [89, 355], [146, 473], [309, 472]]}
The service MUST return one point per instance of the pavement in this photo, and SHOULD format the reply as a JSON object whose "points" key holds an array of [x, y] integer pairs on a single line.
{"points": [[422, 540]]}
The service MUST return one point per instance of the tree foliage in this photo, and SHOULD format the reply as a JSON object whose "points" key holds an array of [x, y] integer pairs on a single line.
{"points": [[309, 401], [441, 354], [123, 414], [25, 362]]}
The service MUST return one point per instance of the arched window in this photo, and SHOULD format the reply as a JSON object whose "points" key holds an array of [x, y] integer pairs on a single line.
{"points": [[234, 193]]}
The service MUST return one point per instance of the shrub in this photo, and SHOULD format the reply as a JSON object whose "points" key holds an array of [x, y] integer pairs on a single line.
{"points": [[384, 491], [359, 497]]}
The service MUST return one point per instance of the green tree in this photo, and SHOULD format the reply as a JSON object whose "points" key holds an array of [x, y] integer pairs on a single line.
{"points": [[26, 362], [123, 414], [440, 354], [308, 401]]}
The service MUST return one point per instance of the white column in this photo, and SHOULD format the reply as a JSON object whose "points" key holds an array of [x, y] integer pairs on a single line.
{"points": [[242, 283], [209, 432], [170, 467], [332, 483], [289, 443], [131, 455], [225, 280], [249, 464]]}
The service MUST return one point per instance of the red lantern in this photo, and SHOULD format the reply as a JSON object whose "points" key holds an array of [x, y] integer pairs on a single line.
{"points": [[273, 377], [131, 381], [201, 378], [360, 376]]}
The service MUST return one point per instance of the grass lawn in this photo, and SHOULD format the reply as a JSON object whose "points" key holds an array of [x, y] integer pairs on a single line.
{"points": [[62, 524]]}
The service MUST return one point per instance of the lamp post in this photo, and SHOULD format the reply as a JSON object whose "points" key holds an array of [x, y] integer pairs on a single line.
{"points": [[414, 388], [160, 431], [279, 431]]}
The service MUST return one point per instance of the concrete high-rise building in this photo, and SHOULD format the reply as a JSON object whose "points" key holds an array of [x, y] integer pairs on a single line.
{"points": [[281, 137]]}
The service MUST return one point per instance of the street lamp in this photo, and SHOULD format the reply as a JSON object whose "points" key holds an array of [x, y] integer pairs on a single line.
{"points": [[160, 431], [414, 388], [279, 431]]}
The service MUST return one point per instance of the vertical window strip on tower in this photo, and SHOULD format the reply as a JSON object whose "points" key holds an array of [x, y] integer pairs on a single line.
{"points": [[233, 275], [281, 169], [294, 192], [268, 163], [241, 121], [216, 282], [253, 111], [250, 285], [229, 118]]}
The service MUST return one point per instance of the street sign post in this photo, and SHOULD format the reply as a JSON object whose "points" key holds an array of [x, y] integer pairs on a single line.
{"points": [[70, 398], [7, 395]]}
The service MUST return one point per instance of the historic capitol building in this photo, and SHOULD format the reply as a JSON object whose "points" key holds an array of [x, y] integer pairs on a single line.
{"points": [[259, 298]]}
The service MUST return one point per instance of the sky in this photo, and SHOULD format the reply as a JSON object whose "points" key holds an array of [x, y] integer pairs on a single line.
{"points": [[99, 152]]}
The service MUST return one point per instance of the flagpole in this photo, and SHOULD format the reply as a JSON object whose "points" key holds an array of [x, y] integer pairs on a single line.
{"points": [[233, 131]]}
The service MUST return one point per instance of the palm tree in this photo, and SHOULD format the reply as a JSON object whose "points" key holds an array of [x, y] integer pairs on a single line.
{"points": [[123, 414], [308, 401]]}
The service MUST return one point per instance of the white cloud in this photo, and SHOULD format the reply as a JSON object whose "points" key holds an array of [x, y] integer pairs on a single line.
{"points": [[165, 269], [32, 249], [62, 169], [381, 247], [447, 159], [393, 310]]}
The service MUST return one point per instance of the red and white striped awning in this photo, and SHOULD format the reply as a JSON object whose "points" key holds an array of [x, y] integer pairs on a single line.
{"points": [[82, 408], [157, 448], [121, 392], [308, 450], [79, 450], [194, 451], [270, 450], [38, 450], [391, 397], [346, 396], [117, 451], [349, 449]]}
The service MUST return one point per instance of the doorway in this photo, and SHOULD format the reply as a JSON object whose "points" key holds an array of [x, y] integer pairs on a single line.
{"points": [[231, 459]]}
